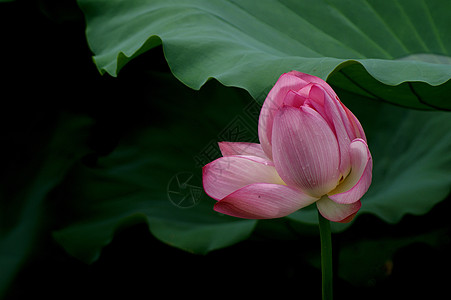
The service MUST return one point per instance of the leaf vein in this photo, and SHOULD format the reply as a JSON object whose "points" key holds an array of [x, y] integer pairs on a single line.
{"points": [[388, 27], [434, 27]]}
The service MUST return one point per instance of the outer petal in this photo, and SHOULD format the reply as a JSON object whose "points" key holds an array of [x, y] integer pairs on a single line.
{"points": [[263, 201], [250, 149], [274, 101], [305, 150], [359, 179], [337, 212], [227, 174]]}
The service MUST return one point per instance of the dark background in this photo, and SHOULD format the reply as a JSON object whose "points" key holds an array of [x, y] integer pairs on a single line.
{"points": [[46, 70]]}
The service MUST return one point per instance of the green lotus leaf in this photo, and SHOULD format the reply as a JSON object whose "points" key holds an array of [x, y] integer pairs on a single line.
{"points": [[375, 45], [154, 175]]}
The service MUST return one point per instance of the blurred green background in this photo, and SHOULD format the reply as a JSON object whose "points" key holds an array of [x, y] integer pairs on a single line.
{"points": [[92, 201]]}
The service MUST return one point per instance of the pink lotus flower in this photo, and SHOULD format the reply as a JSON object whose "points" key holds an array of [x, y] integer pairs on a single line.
{"points": [[312, 149]]}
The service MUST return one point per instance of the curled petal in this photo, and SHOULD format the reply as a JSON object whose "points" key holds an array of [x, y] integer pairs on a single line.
{"points": [[335, 212], [263, 201], [316, 101], [305, 150], [316, 80], [248, 149], [274, 100], [294, 99], [227, 174], [357, 127], [309, 96], [359, 179], [343, 123], [341, 127]]}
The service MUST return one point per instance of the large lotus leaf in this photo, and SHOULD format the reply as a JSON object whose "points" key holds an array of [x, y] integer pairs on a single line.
{"points": [[411, 152], [374, 45], [154, 174], [37, 161]]}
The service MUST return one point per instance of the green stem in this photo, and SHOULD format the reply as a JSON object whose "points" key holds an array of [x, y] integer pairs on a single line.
{"points": [[326, 257]]}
